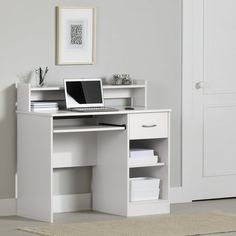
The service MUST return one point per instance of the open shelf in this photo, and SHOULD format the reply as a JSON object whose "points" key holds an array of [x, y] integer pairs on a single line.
{"points": [[46, 88], [138, 165], [91, 128], [108, 86], [124, 86], [67, 162]]}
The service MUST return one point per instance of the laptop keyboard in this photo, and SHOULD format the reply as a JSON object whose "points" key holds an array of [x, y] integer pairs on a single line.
{"points": [[94, 109]]}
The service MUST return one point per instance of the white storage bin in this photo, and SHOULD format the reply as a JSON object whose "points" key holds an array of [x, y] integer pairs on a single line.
{"points": [[144, 188]]}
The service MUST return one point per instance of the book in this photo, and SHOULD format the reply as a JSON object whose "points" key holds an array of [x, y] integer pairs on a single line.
{"points": [[44, 109], [44, 104], [39, 103], [140, 152], [144, 160]]}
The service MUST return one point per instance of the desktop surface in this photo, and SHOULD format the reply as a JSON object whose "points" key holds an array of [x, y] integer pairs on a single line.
{"points": [[120, 110]]}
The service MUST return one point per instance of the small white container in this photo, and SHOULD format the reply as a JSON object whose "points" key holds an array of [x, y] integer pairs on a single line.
{"points": [[144, 188]]}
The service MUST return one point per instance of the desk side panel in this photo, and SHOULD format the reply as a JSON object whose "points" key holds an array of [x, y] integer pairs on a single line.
{"points": [[111, 172], [34, 150]]}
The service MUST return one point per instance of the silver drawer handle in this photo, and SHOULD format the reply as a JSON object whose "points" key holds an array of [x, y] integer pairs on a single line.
{"points": [[148, 126]]}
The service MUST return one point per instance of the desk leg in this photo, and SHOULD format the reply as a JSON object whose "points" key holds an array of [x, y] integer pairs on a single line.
{"points": [[34, 151]]}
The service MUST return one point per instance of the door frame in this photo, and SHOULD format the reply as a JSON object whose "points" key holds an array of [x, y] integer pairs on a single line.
{"points": [[187, 96]]}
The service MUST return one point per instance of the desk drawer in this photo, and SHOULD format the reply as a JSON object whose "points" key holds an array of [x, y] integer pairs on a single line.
{"points": [[150, 125]]}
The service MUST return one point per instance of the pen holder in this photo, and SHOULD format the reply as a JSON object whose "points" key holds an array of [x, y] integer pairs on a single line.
{"points": [[40, 77]]}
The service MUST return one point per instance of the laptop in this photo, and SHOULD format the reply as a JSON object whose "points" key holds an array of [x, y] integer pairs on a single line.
{"points": [[85, 95]]}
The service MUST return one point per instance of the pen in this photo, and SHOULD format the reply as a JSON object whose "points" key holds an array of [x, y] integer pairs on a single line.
{"points": [[40, 76], [46, 71]]}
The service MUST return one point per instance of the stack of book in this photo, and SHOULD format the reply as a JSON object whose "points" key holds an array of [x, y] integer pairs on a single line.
{"points": [[140, 155], [44, 106]]}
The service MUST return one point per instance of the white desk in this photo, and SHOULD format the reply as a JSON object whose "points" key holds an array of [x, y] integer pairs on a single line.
{"points": [[48, 142]]}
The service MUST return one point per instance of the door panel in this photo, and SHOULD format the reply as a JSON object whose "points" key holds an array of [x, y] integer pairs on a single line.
{"points": [[219, 46], [219, 150]]}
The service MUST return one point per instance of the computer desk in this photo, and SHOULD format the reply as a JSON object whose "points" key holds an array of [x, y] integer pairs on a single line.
{"points": [[48, 142]]}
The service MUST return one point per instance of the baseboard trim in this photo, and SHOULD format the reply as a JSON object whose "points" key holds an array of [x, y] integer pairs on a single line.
{"points": [[178, 195], [8, 207], [62, 203], [71, 202], [79, 202]]}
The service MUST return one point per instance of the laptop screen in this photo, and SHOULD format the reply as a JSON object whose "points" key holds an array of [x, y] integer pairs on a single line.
{"points": [[83, 93]]}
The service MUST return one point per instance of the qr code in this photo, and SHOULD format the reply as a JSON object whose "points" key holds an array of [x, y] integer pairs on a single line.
{"points": [[76, 34]]}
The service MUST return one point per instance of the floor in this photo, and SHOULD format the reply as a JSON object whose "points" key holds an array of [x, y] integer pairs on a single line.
{"points": [[8, 225]]}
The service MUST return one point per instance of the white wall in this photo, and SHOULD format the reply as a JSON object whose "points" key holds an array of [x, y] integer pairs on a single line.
{"points": [[139, 37]]}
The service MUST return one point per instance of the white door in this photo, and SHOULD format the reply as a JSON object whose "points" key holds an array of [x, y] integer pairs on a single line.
{"points": [[209, 98]]}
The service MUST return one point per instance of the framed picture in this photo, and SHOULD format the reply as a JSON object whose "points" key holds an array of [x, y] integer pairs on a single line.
{"points": [[75, 35]]}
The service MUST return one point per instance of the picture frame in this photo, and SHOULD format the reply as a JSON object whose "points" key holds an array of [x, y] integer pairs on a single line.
{"points": [[75, 35]]}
